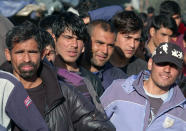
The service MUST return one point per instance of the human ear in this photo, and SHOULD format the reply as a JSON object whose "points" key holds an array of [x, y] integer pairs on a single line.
{"points": [[152, 31], [7, 54], [150, 64]]}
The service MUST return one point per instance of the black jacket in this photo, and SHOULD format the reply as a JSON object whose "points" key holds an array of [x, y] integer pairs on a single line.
{"points": [[134, 66], [67, 109], [95, 81]]}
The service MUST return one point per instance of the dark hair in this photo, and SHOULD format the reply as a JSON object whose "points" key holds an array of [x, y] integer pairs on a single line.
{"points": [[150, 10], [143, 17], [85, 6], [47, 22], [46, 39], [105, 25], [170, 8], [22, 33], [160, 21], [127, 22], [70, 21]]}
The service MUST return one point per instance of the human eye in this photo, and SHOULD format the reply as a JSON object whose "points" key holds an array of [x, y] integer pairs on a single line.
{"points": [[137, 39], [176, 17], [99, 42], [19, 51], [67, 36], [173, 66], [79, 40], [34, 51], [111, 45], [163, 34]]}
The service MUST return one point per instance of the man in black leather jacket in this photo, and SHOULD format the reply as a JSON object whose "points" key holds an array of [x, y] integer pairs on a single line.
{"points": [[62, 106], [70, 35]]}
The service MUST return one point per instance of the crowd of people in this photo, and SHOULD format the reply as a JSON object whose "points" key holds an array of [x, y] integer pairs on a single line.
{"points": [[110, 69]]}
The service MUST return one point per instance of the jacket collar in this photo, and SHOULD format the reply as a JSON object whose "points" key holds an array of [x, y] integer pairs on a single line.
{"points": [[49, 78], [135, 83], [59, 62], [53, 89], [106, 67]]}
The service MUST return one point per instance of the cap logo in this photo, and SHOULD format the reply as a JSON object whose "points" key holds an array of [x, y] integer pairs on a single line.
{"points": [[165, 48], [177, 54]]}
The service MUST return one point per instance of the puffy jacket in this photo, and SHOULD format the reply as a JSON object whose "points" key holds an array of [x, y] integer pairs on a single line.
{"points": [[67, 109], [128, 107]]}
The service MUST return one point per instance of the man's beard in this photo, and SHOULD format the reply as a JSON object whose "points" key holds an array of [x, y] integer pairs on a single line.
{"points": [[96, 65], [30, 73]]}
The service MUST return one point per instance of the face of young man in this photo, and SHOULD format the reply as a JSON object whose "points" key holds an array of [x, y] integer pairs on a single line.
{"points": [[69, 47], [102, 46], [25, 59], [127, 44], [163, 74], [177, 18], [161, 35]]}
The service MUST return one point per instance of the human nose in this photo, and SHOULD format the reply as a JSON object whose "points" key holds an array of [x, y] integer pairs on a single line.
{"points": [[167, 68], [27, 57], [132, 43], [104, 49], [74, 42]]}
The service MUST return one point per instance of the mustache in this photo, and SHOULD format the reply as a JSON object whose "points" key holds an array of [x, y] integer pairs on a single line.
{"points": [[28, 63], [166, 74]]}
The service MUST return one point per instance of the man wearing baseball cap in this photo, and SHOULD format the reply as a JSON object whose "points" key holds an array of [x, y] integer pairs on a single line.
{"points": [[152, 99]]}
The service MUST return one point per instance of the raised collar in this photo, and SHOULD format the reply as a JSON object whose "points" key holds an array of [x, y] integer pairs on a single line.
{"points": [[49, 77], [135, 83], [53, 89]]}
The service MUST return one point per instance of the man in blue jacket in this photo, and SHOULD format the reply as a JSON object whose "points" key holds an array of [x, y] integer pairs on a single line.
{"points": [[152, 99]]}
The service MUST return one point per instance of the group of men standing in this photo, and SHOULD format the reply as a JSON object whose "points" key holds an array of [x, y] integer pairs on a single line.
{"points": [[80, 77]]}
